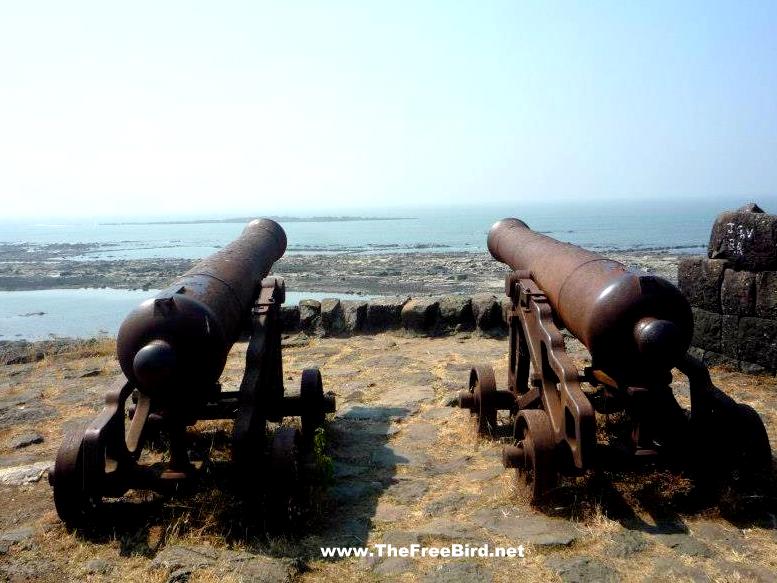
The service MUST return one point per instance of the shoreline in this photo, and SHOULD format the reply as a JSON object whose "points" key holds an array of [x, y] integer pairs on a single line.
{"points": [[414, 273]]}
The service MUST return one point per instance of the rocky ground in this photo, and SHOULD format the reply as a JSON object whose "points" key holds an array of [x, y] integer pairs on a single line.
{"points": [[407, 468], [55, 266]]}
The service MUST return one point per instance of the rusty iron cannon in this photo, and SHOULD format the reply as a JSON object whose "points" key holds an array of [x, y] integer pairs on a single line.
{"points": [[172, 350], [637, 328]]}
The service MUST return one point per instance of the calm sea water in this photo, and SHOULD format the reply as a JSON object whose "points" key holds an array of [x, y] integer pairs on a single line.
{"points": [[84, 313], [674, 226], [616, 225]]}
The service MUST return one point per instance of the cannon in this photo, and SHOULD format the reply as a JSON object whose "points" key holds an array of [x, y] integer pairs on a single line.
{"points": [[172, 350], [638, 329]]}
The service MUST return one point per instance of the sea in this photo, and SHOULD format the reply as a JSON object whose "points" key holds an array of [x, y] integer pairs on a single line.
{"points": [[680, 225]]}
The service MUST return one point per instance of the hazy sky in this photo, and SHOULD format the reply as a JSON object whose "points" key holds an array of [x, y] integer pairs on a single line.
{"points": [[187, 107]]}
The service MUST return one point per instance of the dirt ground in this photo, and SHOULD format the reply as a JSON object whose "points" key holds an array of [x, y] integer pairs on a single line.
{"points": [[407, 468]]}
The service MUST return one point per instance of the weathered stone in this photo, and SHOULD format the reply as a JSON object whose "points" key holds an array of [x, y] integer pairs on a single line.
{"points": [[626, 543], [407, 491], [456, 313], [180, 557], [747, 239], [534, 529], [421, 434], [393, 566], [729, 537], [21, 475], [766, 295], [699, 279], [685, 544], [310, 316], [25, 440], [453, 529], [729, 336], [706, 329], [8, 538], [332, 317], [453, 501], [669, 569], [711, 358], [580, 569], [420, 315], [737, 293], [437, 467], [385, 313], [758, 341], [98, 567], [248, 567], [458, 572], [487, 313], [354, 315], [385, 512], [290, 319]]}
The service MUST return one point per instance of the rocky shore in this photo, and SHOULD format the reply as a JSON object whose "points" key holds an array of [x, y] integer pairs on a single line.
{"points": [[418, 273]]}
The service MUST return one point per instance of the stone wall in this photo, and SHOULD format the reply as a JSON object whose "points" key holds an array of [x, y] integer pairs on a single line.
{"points": [[427, 316], [733, 291]]}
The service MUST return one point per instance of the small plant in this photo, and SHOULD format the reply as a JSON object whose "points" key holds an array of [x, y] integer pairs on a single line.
{"points": [[323, 462]]}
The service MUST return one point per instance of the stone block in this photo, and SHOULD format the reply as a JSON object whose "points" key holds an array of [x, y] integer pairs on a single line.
{"points": [[700, 279], [746, 237], [354, 315], [706, 329], [729, 336], [310, 316], [420, 315], [385, 313], [487, 312], [758, 341], [766, 295], [737, 293], [332, 317], [456, 313]]}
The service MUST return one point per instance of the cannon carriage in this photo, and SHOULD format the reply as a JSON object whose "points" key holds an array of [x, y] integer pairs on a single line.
{"points": [[638, 329], [172, 350]]}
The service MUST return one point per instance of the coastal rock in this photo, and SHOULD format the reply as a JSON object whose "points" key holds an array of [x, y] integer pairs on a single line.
{"points": [[745, 237], [310, 317], [385, 313], [456, 313], [737, 293], [354, 315], [487, 313], [290, 319], [332, 318], [420, 315], [699, 279]]}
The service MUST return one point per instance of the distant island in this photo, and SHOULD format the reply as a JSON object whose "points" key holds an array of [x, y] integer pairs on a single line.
{"points": [[278, 219]]}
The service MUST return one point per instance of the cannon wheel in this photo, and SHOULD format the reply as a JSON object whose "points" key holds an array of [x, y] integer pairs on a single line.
{"points": [[284, 471], [312, 395], [534, 433], [756, 453], [482, 385], [76, 482]]}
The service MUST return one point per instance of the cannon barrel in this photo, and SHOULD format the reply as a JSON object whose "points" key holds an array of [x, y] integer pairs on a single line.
{"points": [[635, 326], [178, 341]]}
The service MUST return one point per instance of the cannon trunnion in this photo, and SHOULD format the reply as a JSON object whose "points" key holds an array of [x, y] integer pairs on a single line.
{"points": [[637, 329], [172, 350]]}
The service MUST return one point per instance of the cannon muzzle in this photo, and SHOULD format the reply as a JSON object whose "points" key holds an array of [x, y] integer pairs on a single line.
{"points": [[636, 326]]}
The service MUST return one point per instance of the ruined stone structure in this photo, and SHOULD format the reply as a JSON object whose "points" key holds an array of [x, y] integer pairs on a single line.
{"points": [[733, 291]]}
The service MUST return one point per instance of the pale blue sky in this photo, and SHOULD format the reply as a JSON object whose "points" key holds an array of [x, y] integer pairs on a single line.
{"points": [[173, 107]]}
